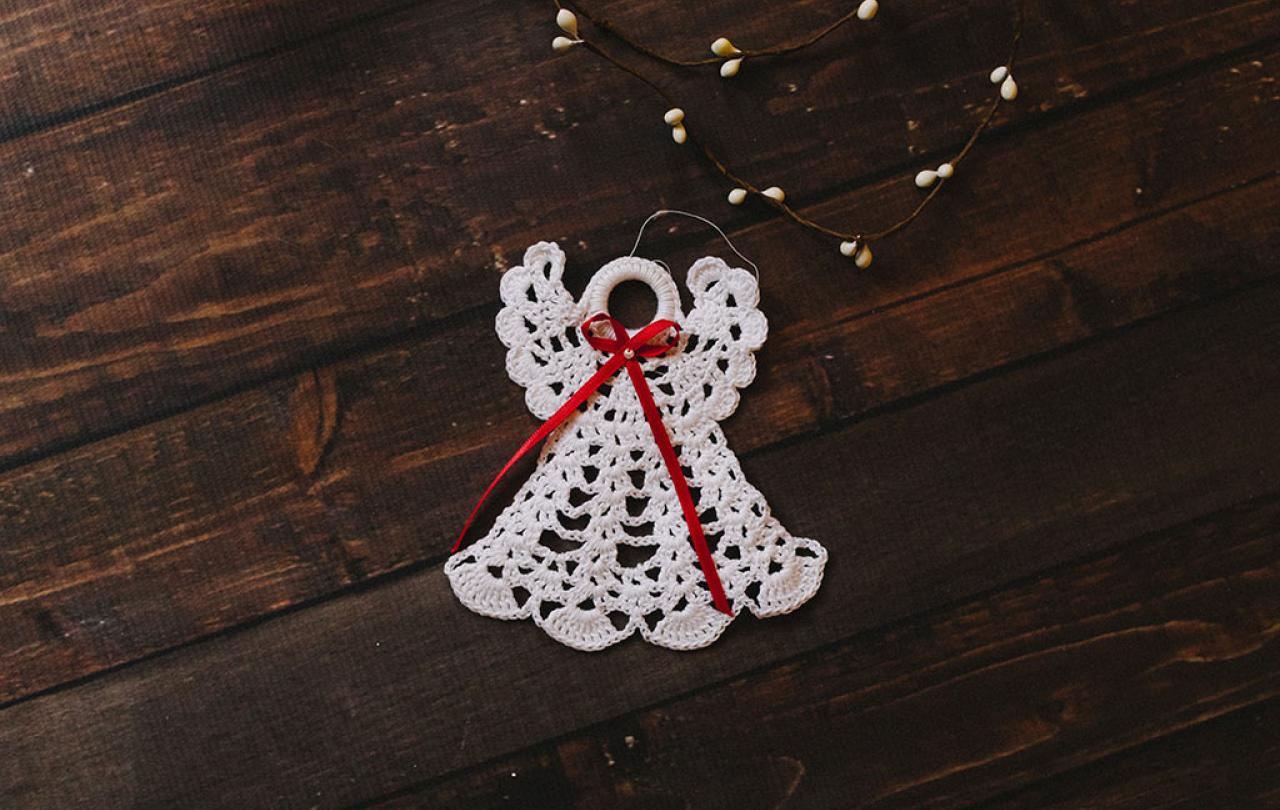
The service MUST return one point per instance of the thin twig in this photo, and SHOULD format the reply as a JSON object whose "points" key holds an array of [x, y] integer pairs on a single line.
{"points": [[773, 50], [858, 236]]}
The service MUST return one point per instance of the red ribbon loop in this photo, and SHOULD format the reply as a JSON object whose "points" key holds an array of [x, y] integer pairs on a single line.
{"points": [[639, 344], [625, 350]]}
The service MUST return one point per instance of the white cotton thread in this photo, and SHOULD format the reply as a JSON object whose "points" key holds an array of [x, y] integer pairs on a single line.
{"points": [[630, 268]]}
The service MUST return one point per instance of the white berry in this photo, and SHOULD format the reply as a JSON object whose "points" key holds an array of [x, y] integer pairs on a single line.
{"points": [[730, 68], [567, 22], [998, 74], [737, 196], [863, 260], [867, 9], [926, 178], [679, 134], [674, 116], [562, 44], [723, 47], [946, 170], [1009, 89], [848, 248], [774, 193]]}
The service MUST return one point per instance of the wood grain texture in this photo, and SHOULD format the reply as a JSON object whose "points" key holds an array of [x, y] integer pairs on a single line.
{"points": [[67, 57], [218, 516], [1093, 672], [1233, 761], [300, 206], [950, 497]]}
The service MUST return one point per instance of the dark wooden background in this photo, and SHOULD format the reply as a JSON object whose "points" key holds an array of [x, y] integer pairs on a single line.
{"points": [[249, 386]]}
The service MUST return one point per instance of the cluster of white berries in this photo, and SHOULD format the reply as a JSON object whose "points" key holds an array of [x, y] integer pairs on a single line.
{"points": [[1008, 87], [675, 120], [859, 251], [739, 195], [568, 23], [732, 57], [928, 177]]}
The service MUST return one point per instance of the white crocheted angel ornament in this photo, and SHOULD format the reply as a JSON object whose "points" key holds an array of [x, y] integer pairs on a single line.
{"points": [[595, 546]]}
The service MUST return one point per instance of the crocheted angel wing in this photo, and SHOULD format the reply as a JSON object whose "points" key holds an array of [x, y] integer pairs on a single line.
{"points": [[539, 326], [721, 333]]}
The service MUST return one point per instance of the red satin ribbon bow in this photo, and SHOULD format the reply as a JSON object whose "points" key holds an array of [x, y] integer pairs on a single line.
{"points": [[625, 350]]}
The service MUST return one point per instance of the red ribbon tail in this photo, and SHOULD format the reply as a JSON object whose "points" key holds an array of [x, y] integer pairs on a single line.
{"points": [[659, 429], [562, 413]]}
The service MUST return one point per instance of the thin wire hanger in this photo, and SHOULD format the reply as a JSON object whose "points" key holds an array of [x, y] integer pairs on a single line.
{"points": [[664, 211]]}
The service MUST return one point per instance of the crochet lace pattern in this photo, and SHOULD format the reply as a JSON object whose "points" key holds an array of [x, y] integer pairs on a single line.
{"points": [[594, 546]]}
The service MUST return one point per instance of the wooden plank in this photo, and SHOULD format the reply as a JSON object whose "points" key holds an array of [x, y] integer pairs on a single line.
{"points": [[63, 57], [1105, 662], [271, 217], [1233, 761], [171, 532], [953, 496]]}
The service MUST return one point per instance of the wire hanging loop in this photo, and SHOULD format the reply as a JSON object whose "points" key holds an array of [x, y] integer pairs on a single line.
{"points": [[664, 211]]}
